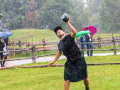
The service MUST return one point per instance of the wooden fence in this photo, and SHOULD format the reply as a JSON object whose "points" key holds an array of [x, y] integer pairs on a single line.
{"points": [[44, 45], [47, 46]]}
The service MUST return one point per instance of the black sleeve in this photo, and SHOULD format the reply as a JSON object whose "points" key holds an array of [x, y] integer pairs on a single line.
{"points": [[71, 37], [6, 41], [3, 45], [61, 46]]}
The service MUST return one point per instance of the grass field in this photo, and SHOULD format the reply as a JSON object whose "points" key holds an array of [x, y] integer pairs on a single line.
{"points": [[49, 35], [38, 35], [106, 77]]}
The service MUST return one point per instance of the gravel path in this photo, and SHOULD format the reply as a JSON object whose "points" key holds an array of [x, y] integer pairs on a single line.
{"points": [[48, 58]]}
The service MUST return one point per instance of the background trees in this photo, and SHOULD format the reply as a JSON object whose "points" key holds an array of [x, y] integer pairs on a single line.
{"points": [[103, 14], [110, 16], [18, 13], [13, 11]]}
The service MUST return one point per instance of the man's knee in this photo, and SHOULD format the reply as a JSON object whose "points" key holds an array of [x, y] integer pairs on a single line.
{"points": [[67, 81], [86, 80]]}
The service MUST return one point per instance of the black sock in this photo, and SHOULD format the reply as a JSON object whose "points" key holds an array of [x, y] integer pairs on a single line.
{"points": [[87, 88], [3, 63]]}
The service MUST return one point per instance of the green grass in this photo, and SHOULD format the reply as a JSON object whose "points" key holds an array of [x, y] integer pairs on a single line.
{"points": [[29, 54], [38, 35], [49, 78], [105, 35], [49, 35], [93, 59]]}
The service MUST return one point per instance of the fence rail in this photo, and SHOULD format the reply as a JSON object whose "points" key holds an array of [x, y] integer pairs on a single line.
{"points": [[47, 46]]}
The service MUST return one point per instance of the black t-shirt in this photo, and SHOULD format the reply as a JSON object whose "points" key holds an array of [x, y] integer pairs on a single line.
{"points": [[69, 48]]}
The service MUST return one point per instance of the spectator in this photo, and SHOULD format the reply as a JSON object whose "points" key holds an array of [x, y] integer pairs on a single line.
{"points": [[2, 45], [82, 40], [89, 43], [6, 41]]}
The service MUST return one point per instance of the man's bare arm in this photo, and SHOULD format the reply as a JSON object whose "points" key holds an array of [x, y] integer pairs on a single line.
{"points": [[56, 58], [74, 32]]}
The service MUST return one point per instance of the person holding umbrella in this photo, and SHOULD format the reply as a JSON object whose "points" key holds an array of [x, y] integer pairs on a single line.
{"points": [[2, 45], [82, 40], [89, 43], [75, 66]]}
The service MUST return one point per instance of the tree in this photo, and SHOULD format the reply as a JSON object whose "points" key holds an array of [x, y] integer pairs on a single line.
{"points": [[110, 16], [51, 12], [30, 15], [13, 11], [79, 15], [93, 8], [16, 13]]}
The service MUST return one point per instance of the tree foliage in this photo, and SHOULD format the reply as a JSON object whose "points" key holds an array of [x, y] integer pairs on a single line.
{"points": [[49, 13], [110, 16], [13, 11], [93, 8]]}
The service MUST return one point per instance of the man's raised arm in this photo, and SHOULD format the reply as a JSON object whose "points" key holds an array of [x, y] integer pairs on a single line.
{"points": [[74, 32]]}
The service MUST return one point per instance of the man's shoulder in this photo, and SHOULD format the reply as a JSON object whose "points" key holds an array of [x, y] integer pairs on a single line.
{"points": [[67, 35]]}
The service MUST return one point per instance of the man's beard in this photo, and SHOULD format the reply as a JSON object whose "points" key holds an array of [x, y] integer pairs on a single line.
{"points": [[60, 36]]}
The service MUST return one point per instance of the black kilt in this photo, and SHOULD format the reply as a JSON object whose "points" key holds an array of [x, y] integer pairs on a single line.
{"points": [[75, 71]]}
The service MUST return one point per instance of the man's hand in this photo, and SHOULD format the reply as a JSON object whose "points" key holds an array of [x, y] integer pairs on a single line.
{"points": [[55, 59], [74, 32], [68, 21], [50, 63]]}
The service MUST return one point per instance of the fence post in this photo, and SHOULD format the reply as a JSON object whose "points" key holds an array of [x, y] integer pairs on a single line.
{"points": [[78, 42], [33, 55], [99, 40], [27, 45], [19, 45], [114, 46], [119, 40], [14, 48], [43, 40]]}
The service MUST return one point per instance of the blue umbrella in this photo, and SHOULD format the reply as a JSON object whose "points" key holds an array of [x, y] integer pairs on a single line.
{"points": [[4, 30], [6, 34], [2, 34]]}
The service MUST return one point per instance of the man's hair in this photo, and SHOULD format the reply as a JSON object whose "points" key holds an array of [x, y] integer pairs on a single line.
{"points": [[58, 28]]}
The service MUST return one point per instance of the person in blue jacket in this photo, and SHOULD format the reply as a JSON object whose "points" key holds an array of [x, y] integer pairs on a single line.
{"points": [[82, 40]]}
